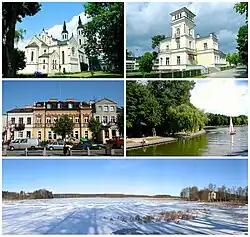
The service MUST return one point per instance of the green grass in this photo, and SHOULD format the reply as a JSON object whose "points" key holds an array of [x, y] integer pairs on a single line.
{"points": [[88, 75]]}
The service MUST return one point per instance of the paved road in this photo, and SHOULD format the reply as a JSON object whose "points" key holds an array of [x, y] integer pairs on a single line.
{"points": [[115, 152], [231, 73]]}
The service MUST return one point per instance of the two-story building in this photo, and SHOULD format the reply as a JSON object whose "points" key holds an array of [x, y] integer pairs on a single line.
{"points": [[19, 123], [105, 111], [47, 113]]}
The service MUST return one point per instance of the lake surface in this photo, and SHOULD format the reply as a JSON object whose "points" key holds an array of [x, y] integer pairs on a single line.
{"points": [[216, 142]]}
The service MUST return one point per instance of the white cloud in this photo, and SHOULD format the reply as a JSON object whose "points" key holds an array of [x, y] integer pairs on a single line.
{"points": [[226, 97], [56, 30]]}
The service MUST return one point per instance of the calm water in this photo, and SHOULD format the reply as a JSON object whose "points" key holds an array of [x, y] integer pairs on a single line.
{"points": [[216, 142]]}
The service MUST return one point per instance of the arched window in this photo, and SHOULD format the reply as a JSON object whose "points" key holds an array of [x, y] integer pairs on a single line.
{"points": [[62, 57], [32, 56], [80, 42], [178, 31]]}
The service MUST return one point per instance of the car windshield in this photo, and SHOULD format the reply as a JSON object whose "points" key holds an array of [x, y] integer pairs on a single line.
{"points": [[16, 141]]}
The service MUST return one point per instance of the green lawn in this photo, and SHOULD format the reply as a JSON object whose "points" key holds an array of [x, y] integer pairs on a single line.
{"points": [[88, 75]]}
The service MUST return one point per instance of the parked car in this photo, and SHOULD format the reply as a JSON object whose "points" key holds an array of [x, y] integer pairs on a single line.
{"points": [[21, 144], [90, 145], [116, 143], [58, 145]]}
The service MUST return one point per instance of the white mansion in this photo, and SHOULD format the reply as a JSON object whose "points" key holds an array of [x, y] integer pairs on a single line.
{"points": [[183, 51], [46, 54]]}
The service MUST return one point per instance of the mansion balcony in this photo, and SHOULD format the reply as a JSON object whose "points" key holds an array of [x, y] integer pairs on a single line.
{"points": [[108, 124], [19, 126]]}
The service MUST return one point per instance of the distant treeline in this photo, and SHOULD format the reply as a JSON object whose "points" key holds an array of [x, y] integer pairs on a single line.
{"points": [[211, 193], [38, 194], [45, 194], [220, 120]]}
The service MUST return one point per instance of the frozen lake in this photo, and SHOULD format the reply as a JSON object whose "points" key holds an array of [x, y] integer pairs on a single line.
{"points": [[117, 216]]}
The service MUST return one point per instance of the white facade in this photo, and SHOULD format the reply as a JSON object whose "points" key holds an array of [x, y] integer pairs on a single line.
{"points": [[183, 51], [46, 54], [19, 123]]}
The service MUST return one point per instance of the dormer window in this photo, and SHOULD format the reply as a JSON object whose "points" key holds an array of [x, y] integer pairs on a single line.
{"points": [[48, 106], [70, 106], [59, 106]]}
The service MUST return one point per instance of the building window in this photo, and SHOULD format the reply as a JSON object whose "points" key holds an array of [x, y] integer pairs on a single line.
{"points": [[39, 134], [99, 108], [20, 134], [97, 118], [86, 119], [112, 108], [13, 121], [105, 119], [205, 45], [112, 119], [70, 106], [28, 134], [178, 31], [77, 120], [32, 56], [178, 60], [29, 120], [167, 61], [167, 47], [62, 57], [105, 108], [49, 135], [190, 32], [59, 106], [161, 60], [55, 119], [43, 66], [113, 133], [76, 135], [44, 51], [190, 44], [80, 42], [48, 120], [38, 119], [106, 133], [54, 135], [82, 32], [86, 134], [44, 61], [20, 120]]}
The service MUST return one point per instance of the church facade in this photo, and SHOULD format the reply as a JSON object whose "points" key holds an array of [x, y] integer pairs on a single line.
{"points": [[185, 51], [46, 54]]}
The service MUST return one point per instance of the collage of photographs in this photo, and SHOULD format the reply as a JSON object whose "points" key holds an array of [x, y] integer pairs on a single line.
{"points": [[125, 118]]}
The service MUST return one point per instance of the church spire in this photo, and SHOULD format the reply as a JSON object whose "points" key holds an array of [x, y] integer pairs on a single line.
{"points": [[80, 25], [65, 33]]}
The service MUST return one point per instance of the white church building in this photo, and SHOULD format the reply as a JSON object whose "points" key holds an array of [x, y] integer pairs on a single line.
{"points": [[185, 51], [46, 54]]}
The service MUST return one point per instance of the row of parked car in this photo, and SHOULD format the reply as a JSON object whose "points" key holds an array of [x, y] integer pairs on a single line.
{"points": [[34, 143]]}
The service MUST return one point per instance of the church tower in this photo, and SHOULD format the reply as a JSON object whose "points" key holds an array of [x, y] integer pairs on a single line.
{"points": [[65, 33], [80, 37]]}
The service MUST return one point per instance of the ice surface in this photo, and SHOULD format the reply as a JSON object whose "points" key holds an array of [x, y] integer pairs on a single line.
{"points": [[103, 216]]}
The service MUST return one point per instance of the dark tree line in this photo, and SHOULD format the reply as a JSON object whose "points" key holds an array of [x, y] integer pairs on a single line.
{"points": [[162, 108], [213, 193], [220, 120], [38, 194]]}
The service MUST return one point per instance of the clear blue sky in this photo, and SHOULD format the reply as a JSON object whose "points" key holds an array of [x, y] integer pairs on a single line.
{"points": [[51, 13], [137, 176], [20, 93]]}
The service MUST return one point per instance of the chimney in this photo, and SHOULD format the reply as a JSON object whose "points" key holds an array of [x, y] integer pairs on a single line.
{"points": [[198, 36]]}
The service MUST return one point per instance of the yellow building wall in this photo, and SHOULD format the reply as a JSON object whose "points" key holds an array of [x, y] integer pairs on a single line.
{"points": [[205, 59]]}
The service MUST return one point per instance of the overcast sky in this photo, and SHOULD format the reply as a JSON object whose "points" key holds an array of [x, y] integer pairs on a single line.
{"points": [[145, 20]]}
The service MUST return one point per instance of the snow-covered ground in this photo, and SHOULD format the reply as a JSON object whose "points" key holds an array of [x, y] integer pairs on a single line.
{"points": [[115, 216]]}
